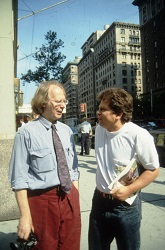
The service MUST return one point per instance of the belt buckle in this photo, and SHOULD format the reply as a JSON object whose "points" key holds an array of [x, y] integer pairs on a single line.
{"points": [[107, 196], [57, 188]]}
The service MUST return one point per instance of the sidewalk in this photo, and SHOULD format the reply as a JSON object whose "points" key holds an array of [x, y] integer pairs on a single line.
{"points": [[153, 205]]}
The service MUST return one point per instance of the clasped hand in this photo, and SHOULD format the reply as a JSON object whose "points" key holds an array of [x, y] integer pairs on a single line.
{"points": [[121, 192]]}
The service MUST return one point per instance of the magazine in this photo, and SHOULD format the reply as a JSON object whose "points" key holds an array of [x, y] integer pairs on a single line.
{"points": [[126, 175]]}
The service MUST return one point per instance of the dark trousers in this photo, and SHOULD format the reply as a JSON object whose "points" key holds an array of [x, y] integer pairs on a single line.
{"points": [[111, 219], [85, 143], [56, 219]]}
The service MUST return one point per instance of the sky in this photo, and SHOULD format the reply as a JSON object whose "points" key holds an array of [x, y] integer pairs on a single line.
{"points": [[72, 20]]}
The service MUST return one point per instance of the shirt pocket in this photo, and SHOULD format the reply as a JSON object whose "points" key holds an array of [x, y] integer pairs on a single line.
{"points": [[42, 160]]}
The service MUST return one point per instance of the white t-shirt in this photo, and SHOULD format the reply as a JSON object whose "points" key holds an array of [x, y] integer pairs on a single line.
{"points": [[114, 149], [85, 127]]}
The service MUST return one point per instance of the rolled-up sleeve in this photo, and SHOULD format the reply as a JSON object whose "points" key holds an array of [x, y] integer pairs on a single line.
{"points": [[19, 163]]}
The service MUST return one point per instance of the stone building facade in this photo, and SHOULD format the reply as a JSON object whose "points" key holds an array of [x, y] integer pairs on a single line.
{"points": [[110, 58]]}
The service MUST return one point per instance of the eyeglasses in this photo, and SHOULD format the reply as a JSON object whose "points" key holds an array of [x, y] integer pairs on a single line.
{"points": [[59, 103]]}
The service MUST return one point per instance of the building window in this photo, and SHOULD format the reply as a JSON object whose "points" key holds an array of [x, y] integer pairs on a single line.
{"points": [[123, 64], [123, 39], [153, 7], [134, 40], [123, 55], [122, 31], [144, 14], [124, 72], [123, 47], [124, 80]]}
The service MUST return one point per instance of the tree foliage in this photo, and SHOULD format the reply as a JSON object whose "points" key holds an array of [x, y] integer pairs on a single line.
{"points": [[49, 59]]}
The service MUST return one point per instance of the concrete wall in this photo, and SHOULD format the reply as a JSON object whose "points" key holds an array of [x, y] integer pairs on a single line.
{"points": [[8, 207], [7, 102]]}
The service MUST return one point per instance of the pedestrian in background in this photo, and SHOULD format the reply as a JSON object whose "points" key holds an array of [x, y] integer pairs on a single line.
{"points": [[22, 122], [117, 142], [34, 116], [48, 200], [29, 118], [86, 131]]}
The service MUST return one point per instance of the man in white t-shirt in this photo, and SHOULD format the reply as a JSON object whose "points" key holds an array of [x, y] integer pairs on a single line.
{"points": [[86, 131], [117, 142]]}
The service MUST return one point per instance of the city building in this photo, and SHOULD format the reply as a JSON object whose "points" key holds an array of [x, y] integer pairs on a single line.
{"points": [[70, 81], [110, 58], [152, 23]]}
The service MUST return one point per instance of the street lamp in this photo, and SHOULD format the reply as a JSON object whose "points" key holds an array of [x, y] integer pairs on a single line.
{"points": [[151, 100], [94, 87]]}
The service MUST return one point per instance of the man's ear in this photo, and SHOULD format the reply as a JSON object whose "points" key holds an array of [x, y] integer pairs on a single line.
{"points": [[119, 115]]}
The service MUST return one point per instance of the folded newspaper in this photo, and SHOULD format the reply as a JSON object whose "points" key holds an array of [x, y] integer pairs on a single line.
{"points": [[126, 175]]}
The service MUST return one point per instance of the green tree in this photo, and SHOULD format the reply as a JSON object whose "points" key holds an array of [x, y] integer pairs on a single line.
{"points": [[49, 58]]}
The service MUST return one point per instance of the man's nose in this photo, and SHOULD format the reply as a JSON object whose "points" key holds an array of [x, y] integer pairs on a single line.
{"points": [[98, 112]]}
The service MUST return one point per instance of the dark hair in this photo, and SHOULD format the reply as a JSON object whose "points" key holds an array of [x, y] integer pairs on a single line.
{"points": [[119, 101], [41, 96]]}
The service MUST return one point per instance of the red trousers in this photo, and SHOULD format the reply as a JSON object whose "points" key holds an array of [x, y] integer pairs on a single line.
{"points": [[56, 219]]}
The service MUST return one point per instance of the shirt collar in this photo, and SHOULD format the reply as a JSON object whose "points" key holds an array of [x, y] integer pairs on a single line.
{"points": [[47, 124]]}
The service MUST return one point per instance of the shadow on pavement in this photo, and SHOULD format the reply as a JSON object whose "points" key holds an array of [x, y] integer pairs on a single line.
{"points": [[155, 199], [159, 182], [5, 240], [89, 169]]}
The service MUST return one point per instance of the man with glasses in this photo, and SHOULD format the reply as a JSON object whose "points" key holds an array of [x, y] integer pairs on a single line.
{"points": [[116, 205], [46, 207]]}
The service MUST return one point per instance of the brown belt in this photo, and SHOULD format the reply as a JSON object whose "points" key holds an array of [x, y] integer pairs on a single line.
{"points": [[42, 191], [105, 195]]}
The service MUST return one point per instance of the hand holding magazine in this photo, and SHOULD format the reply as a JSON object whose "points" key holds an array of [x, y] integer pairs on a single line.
{"points": [[127, 176]]}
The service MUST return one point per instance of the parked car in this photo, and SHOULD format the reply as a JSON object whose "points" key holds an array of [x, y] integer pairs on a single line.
{"points": [[77, 135], [149, 125], [160, 123], [159, 139]]}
